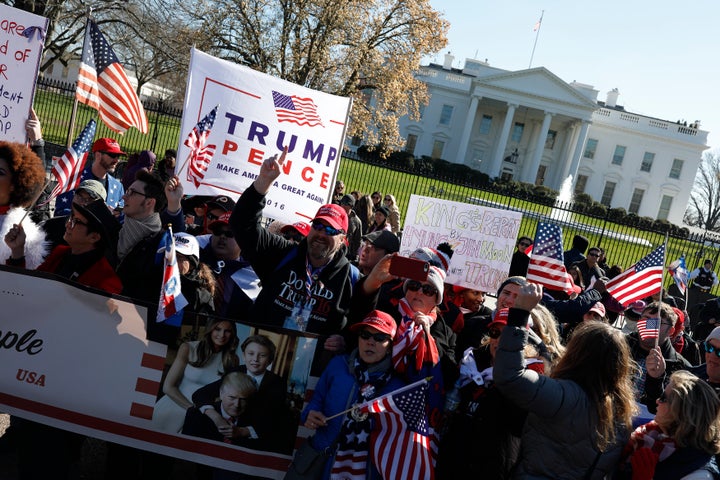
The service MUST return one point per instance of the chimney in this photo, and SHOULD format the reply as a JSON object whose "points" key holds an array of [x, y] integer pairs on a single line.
{"points": [[612, 97], [447, 64]]}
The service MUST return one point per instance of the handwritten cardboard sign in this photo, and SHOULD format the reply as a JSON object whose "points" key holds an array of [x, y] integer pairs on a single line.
{"points": [[22, 36], [257, 116], [483, 238]]}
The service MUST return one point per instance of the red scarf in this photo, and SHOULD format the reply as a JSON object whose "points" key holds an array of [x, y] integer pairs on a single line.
{"points": [[411, 339], [650, 436]]}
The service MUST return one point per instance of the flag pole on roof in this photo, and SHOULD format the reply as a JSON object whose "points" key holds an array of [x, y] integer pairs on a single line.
{"points": [[536, 29]]}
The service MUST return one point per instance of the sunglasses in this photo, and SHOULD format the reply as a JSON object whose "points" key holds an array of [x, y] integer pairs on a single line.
{"points": [[525, 245], [212, 217], [494, 333], [662, 398], [708, 348], [329, 231], [112, 155], [593, 254], [224, 233], [427, 290], [378, 337]]}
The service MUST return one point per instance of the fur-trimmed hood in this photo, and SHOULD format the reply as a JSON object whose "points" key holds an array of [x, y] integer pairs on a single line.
{"points": [[36, 247]]}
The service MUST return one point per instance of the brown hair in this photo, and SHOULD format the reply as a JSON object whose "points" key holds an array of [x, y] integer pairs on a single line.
{"points": [[598, 359], [695, 411], [28, 172], [205, 348]]}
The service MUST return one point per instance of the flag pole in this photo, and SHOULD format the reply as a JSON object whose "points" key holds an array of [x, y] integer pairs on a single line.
{"points": [[537, 34], [73, 115], [662, 278]]}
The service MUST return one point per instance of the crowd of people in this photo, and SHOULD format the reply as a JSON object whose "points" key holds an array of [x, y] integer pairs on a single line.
{"points": [[546, 385]]}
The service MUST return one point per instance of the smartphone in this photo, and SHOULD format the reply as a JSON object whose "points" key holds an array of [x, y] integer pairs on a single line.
{"points": [[412, 268]]}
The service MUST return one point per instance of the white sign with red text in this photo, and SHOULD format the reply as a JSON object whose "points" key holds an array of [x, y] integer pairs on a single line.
{"points": [[22, 37], [483, 238], [258, 115]]}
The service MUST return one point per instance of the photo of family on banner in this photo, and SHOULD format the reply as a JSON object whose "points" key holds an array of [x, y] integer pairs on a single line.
{"points": [[224, 393]]}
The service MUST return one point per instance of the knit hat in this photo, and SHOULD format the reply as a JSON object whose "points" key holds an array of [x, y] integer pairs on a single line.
{"points": [[432, 256], [380, 321], [436, 278], [715, 334]]}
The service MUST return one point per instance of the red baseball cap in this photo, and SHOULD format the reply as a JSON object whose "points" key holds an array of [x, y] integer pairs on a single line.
{"points": [[500, 319], [223, 219], [301, 227], [380, 321], [334, 215], [107, 145]]}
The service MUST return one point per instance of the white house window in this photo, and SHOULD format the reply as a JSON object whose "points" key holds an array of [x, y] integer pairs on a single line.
{"points": [[619, 155], [665, 205], [608, 192], [438, 146], [517, 132], [590, 148], [410, 143], [446, 114], [647, 162], [550, 139], [676, 168], [636, 200], [580, 184], [485, 124]]}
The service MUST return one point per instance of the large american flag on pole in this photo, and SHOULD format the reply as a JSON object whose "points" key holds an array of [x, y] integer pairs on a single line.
{"points": [[639, 281], [67, 170], [546, 261], [403, 442], [103, 85], [294, 109], [200, 154]]}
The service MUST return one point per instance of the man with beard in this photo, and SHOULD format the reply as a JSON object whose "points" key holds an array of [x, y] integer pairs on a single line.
{"points": [[306, 286], [106, 155]]}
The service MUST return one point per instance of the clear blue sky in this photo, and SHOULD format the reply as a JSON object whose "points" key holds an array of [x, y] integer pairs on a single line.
{"points": [[661, 55]]}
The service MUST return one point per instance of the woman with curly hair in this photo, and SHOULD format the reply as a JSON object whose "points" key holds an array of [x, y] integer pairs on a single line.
{"points": [[394, 217], [197, 364], [22, 175]]}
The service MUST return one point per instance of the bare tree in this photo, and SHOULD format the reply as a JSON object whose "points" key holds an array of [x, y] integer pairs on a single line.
{"points": [[704, 207], [366, 49]]}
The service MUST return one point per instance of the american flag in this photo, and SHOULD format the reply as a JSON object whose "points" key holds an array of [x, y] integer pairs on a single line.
{"points": [[103, 85], [639, 281], [546, 261], [172, 300], [200, 154], [291, 108], [403, 444], [679, 272], [68, 169], [648, 328]]}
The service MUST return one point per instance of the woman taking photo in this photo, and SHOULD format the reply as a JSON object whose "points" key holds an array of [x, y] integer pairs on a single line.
{"points": [[592, 381], [22, 175], [364, 374], [683, 439], [197, 364]]}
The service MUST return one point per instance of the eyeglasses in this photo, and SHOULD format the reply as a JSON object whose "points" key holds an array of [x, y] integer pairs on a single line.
{"points": [[662, 398], [224, 233], [72, 221], [329, 231], [375, 197], [494, 333], [388, 199], [112, 155], [427, 290], [131, 191], [378, 337], [708, 348]]}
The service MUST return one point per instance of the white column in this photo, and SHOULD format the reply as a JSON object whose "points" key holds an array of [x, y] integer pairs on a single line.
{"points": [[566, 157], [465, 138], [579, 146], [539, 149], [496, 165]]}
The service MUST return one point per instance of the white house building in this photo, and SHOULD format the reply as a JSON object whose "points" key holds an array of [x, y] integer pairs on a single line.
{"points": [[531, 126]]}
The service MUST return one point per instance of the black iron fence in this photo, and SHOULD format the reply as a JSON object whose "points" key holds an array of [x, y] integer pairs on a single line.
{"points": [[625, 241]]}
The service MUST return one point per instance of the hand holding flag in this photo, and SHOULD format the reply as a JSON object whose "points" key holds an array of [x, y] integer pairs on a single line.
{"points": [[172, 300]]}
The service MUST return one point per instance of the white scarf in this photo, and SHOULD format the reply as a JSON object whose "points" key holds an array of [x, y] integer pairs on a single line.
{"points": [[36, 248]]}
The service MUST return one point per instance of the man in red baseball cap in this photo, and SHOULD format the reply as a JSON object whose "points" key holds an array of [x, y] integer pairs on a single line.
{"points": [[106, 153], [306, 286]]}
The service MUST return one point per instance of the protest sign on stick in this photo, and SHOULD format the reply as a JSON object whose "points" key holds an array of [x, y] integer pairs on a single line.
{"points": [[258, 115]]}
